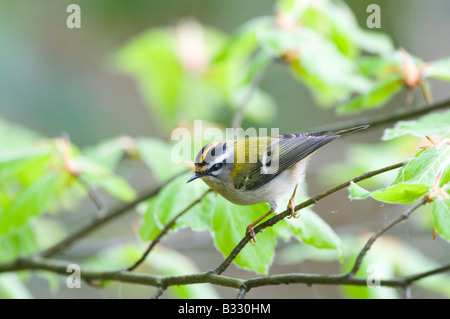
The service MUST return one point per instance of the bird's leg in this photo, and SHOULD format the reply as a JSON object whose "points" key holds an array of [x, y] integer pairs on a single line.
{"points": [[291, 204], [250, 227]]}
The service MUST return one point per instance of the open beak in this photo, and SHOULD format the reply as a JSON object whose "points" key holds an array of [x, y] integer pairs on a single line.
{"points": [[195, 176]]}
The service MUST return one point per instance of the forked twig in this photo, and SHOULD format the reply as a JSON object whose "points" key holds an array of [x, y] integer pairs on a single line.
{"points": [[380, 232]]}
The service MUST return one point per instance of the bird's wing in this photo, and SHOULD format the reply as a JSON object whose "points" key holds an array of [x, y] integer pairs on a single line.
{"points": [[274, 155]]}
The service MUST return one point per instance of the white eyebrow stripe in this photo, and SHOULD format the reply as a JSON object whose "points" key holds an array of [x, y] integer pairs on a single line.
{"points": [[219, 159]]}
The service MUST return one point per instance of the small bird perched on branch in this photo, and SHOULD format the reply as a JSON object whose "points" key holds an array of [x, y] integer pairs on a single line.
{"points": [[256, 170]]}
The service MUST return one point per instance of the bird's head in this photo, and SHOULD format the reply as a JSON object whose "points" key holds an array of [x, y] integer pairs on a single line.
{"points": [[214, 162]]}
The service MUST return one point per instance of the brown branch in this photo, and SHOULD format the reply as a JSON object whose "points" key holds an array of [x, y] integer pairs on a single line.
{"points": [[165, 230], [59, 267], [379, 233], [272, 221]]}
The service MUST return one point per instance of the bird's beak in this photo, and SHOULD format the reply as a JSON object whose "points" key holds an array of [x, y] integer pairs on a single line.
{"points": [[195, 176]]}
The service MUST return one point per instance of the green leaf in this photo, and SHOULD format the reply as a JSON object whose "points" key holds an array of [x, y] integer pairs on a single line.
{"points": [[357, 192], [321, 66], [31, 201], [375, 97], [439, 69], [374, 42], [337, 21], [425, 166], [11, 159], [402, 194], [441, 216], [435, 124], [378, 66], [18, 241], [414, 179], [151, 58], [229, 225], [314, 231], [165, 68]]}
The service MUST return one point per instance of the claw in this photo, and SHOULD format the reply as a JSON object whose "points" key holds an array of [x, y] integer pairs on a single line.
{"points": [[250, 228], [291, 204]]}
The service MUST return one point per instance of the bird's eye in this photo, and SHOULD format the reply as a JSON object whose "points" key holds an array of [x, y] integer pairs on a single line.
{"points": [[216, 166]]}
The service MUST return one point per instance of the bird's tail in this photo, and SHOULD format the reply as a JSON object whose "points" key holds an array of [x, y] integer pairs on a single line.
{"points": [[347, 130]]}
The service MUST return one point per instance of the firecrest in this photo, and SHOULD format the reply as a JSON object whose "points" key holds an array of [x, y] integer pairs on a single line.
{"points": [[256, 170]]}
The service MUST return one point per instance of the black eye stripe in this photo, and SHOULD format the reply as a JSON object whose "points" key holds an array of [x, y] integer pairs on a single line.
{"points": [[217, 166]]}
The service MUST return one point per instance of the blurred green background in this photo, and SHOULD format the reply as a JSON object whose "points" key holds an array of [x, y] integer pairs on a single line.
{"points": [[56, 80]]}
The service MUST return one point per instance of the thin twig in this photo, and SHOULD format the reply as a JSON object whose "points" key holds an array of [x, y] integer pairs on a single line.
{"points": [[96, 199], [412, 278], [165, 230], [239, 115], [159, 292], [272, 221], [242, 292], [380, 232]]}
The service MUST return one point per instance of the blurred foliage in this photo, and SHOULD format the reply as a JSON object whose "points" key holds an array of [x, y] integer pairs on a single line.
{"points": [[388, 258], [192, 71]]}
